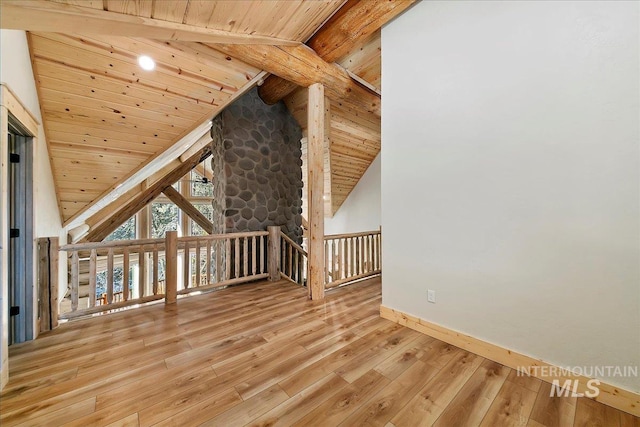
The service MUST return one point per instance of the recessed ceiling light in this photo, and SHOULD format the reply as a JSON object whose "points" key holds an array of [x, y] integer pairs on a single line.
{"points": [[146, 63]]}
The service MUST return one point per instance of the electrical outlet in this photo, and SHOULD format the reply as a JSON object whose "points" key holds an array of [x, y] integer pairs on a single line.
{"points": [[431, 296]]}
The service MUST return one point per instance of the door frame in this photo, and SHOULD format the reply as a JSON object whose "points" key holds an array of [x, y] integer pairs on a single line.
{"points": [[10, 105]]}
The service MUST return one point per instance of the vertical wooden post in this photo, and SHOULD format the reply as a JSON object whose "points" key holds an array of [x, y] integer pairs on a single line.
{"points": [[273, 252], [125, 274], [142, 265], [48, 282], [54, 253], [317, 123], [75, 260], [92, 277], [171, 271]]}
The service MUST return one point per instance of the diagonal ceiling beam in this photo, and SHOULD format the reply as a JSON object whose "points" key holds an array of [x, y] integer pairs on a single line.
{"points": [[128, 210], [345, 31], [186, 207], [48, 16], [301, 65]]}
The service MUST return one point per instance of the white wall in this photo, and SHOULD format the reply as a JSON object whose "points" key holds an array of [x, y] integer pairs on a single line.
{"points": [[361, 210], [510, 136], [16, 73]]}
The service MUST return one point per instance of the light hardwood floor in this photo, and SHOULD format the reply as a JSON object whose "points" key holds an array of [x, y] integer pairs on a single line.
{"points": [[263, 354]]}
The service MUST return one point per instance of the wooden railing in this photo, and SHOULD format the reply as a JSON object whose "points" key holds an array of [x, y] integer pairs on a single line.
{"points": [[221, 260], [128, 269], [293, 260], [111, 275], [349, 257], [140, 271]]}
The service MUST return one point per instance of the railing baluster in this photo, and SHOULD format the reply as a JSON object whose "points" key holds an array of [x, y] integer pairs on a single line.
{"points": [[326, 261], [110, 276], [367, 255], [141, 271], [75, 280], [262, 254], [237, 258], [197, 263], [253, 255], [227, 244], [283, 257], [208, 262], [186, 266], [358, 255], [334, 259], [340, 246], [125, 274], [218, 263], [155, 269], [290, 259], [92, 278], [245, 256], [349, 271]]}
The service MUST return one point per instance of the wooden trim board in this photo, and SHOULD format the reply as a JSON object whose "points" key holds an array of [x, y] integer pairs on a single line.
{"points": [[613, 396], [10, 104]]}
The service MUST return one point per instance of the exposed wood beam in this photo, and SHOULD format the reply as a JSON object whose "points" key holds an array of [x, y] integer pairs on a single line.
{"points": [[121, 215], [318, 112], [48, 16], [346, 30], [188, 208], [300, 64]]}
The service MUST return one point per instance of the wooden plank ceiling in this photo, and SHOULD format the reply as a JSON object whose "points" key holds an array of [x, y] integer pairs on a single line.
{"points": [[105, 118], [355, 134]]}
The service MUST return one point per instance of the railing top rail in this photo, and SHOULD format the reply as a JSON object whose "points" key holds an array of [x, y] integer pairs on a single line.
{"points": [[146, 242], [346, 235], [292, 243], [223, 236], [110, 244]]}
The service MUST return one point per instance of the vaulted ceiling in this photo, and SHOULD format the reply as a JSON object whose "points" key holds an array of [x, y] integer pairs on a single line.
{"points": [[105, 118]]}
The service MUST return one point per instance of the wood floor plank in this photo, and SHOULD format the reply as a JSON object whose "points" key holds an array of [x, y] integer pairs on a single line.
{"points": [[264, 354], [553, 411], [368, 360], [388, 401], [66, 393], [250, 409], [472, 402], [432, 400], [628, 420], [512, 407], [130, 421], [590, 413], [117, 404], [58, 417], [526, 381], [394, 366], [347, 401], [299, 380], [439, 353], [302, 403], [289, 367], [203, 411]]}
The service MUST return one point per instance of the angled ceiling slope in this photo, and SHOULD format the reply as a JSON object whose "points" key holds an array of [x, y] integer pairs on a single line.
{"points": [[104, 117]]}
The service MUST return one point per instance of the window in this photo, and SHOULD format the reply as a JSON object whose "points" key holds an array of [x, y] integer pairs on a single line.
{"points": [[205, 209], [127, 231], [164, 217], [200, 188]]}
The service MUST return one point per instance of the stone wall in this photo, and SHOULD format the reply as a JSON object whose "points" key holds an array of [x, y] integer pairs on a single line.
{"points": [[262, 167], [218, 177]]}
